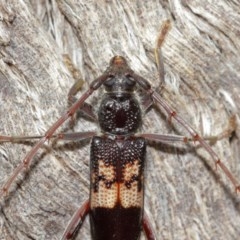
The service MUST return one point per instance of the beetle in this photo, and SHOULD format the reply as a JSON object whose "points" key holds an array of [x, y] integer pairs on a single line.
{"points": [[117, 156]]}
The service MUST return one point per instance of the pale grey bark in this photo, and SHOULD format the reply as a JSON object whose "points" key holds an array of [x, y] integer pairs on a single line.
{"points": [[185, 197]]}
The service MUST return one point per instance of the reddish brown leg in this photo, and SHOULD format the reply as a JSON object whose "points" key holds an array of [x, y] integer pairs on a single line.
{"points": [[147, 228], [27, 160], [158, 54], [173, 114], [196, 137], [85, 108], [62, 136], [164, 137], [76, 221], [73, 91]]}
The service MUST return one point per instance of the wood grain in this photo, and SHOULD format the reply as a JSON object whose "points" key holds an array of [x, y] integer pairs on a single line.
{"points": [[185, 197]]}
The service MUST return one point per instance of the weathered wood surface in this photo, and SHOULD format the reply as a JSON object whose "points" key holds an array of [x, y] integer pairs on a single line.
{"points": [[185, 197]]}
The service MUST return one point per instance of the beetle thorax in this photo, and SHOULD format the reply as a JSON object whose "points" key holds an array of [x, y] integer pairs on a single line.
{"points": [[119, 114]]}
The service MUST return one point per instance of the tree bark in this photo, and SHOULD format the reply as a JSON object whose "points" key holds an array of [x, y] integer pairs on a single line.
{"points": [[185, 197]]}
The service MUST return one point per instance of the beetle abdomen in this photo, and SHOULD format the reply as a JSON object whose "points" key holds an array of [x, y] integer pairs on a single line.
{"points": [[116, 188]]}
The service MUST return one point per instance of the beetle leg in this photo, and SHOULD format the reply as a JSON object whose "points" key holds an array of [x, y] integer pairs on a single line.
{"points": [[147, 228], [76, 221], [85, 108], [27, 160], [158, 54], [197, 137], [62, 136], [173, 114]]}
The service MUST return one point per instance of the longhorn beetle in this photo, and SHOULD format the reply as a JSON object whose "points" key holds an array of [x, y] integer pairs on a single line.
{"points": [[117, 156]]}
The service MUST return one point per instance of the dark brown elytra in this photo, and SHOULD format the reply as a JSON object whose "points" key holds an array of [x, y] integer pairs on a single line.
{"points": [[118, 154]]}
